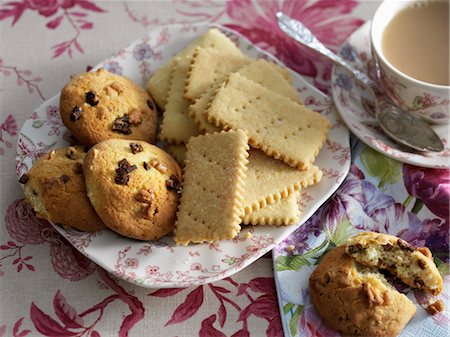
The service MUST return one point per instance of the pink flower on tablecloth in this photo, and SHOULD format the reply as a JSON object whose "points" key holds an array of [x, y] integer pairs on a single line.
{"points": [[132, 263], [23, 225], [328, 19], [49, 7], [77, 19], [151, 270], [9, 125], [68, 262]]}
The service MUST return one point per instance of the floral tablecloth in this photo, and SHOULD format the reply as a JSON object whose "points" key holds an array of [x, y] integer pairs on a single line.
{"points": [[48, 288]]}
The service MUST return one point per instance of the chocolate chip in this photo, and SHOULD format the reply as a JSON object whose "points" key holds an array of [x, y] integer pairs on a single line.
{"points": [[124, 164], [421, 264], [64, 178], [136, 148], [150, 104], [146, 166], [122, 125], [124, 167], [76, 114], [387, 247], [404, 245], [173, 184], [352, 249], [90, 99], [24, 179], [122, 179]]}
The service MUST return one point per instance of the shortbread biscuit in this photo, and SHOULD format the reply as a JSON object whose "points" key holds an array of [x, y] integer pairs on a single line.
{"points": [[197, 112], [414, 266], [177, 127], [210, 206], [275, 124], [355, 300], [134, 187], [99, 105], [283, 212], [268, 75], [260, 71], [209, 66], [178, 152], [159, 83], [268, 180], [283, 71], [57, 192]]}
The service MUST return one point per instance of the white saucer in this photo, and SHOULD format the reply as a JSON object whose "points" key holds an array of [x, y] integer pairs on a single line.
{"points": [[352, 99]]}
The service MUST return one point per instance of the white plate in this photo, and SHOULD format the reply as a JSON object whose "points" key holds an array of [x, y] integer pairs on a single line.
{"points": [[162, 264], [349, 97]]}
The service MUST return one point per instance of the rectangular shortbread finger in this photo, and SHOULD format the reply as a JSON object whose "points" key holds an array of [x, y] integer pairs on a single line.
{"points": [[268, 180], [275, 124], [214, 176], [209, 66], [159, 83], [177, 127], [283, 212], [260, 71]]}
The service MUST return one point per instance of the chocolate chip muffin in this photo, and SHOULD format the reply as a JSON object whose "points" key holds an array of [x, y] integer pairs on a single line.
{"points": [[357, 300], [414, 266], [99, 105], [134, 187], [56, 190]]}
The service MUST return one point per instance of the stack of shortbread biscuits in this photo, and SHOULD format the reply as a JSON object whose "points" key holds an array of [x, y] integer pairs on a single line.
{"points": [[217, 103]]}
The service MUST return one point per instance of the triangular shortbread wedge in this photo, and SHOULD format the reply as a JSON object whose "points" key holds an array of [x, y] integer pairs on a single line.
{"points": [[283, 129], [177, 127], [209, 66], [283, 212], [159, 83], [214, 176], [268, 180]]}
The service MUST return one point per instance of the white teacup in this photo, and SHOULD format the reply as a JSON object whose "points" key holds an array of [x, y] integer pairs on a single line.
{"points": [[430, 101]]}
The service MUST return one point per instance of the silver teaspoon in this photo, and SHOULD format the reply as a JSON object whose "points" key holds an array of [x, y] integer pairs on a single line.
{"points": [[401, 126]]}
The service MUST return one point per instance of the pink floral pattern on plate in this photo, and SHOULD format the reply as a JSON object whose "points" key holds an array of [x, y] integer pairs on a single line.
{"points": [[162, 264], [353, 102]]}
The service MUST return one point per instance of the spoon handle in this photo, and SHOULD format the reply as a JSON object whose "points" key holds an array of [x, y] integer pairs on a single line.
{"points": [[303, 35]]}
